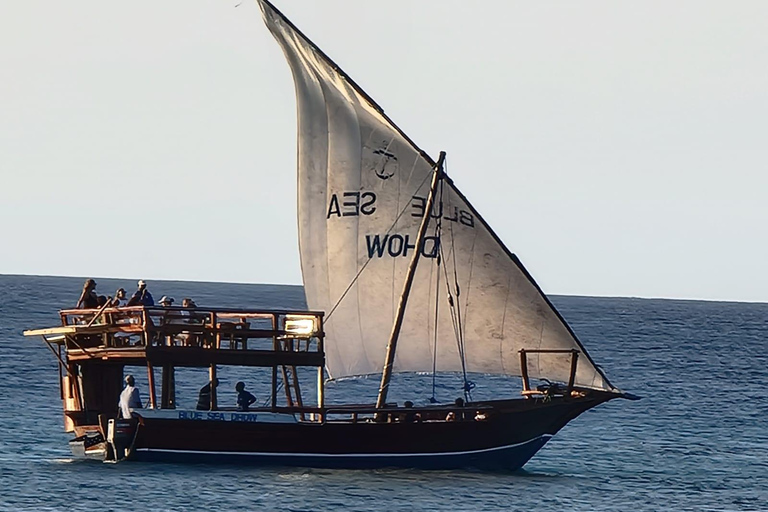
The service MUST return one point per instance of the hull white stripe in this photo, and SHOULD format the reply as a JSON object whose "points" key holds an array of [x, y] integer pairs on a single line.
{"points": [[345, 455]]}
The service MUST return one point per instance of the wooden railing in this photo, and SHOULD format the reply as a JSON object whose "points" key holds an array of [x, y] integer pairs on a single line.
{"points": [[527, 391], [242, 329]]}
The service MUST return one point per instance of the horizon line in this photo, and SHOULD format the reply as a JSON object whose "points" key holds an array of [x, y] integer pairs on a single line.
{"points": [[553, 294]]}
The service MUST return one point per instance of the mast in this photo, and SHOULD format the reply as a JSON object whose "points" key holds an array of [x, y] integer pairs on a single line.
{"points": [[386, 374]]}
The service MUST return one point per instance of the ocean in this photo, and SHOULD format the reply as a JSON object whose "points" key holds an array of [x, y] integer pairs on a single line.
{"points": [[698, 440]]}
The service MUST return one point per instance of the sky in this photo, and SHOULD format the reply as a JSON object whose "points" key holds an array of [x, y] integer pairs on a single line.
{"points": [[618, 148]]}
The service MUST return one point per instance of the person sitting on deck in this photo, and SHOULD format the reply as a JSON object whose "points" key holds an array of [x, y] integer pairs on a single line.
{"points": [[244, 398], [129, 398], [175, 317], [410, 416], [189, 317], [120, 299], [88, 298], [142, 297], [204, 398], [459, 416]]}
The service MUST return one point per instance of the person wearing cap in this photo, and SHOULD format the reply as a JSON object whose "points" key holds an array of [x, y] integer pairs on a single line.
{"points": [[142, 297], [88, 298], [166, 301], [129, 398]]}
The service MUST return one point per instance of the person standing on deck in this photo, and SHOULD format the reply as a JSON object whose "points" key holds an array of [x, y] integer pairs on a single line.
{"points": [[244, 398], [88, 298], [204, 398], [142, 297], [129, 398]]}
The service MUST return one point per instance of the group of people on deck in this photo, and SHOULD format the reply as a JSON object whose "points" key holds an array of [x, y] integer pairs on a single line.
{"points": [[131, 399], [89, 299]]}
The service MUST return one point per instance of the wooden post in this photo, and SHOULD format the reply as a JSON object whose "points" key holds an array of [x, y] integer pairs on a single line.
{"points": [[320, 335], [286, 385], [297, 390], [216, 342], [275, 348], [168, 393], [321, 391], [61, 373], [151, 384], [274, 387], [212, 380], [524, 370], [386, 374], [144, 326], [574, 362], [320, 369]]}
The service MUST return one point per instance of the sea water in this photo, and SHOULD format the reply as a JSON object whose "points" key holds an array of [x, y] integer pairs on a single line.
{"points": [[698, 440]]}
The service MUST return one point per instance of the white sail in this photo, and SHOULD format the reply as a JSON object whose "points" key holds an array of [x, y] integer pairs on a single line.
{"points": [[362, 187]]}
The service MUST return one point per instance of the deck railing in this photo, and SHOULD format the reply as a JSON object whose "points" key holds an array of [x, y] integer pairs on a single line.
{"points": [[236, 329]]}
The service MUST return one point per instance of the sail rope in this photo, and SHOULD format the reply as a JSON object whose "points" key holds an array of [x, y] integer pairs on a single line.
{"points": [[370, 256], [452, 303], [271, 395], [455, 309], [437, 234], [468, 385]]}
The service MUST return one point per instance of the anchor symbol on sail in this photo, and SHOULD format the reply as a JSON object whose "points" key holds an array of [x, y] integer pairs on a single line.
{"points": [[380, 168]]}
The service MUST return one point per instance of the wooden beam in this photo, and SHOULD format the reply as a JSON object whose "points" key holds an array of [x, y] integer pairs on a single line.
{"points": [[151, 384], [196, 357], [168, 393], [201, 357], [212, 381], [64, 329], [574, 363], [524, 370]]}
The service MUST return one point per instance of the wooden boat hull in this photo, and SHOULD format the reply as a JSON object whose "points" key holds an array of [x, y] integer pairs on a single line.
{"points": [[506, 457], [514, 431]]}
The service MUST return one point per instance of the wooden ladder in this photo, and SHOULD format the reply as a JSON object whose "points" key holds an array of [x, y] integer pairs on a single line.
{"points": [[291, 379]]}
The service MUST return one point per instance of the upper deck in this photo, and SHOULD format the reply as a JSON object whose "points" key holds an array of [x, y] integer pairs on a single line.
{"points": [[195, 337]]}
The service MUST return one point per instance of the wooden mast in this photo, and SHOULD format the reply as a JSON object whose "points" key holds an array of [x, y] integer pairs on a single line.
{"points": [[386, 374]]}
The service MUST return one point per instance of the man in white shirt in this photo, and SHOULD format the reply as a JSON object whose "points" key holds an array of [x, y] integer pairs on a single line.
{"points": [[129, 398]]}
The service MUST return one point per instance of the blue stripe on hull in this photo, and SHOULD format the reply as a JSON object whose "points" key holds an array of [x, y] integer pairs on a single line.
{"points": [[506, 457]]}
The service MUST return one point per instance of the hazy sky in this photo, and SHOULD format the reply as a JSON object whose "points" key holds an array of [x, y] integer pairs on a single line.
{"points": [[619, 148]]}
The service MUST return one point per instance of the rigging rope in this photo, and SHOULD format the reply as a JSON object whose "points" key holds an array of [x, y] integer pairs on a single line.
{"points": [[370, 257], [269, 398], [437, 234], [455, 308]]}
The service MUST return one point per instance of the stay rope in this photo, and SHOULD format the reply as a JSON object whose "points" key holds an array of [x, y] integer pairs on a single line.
{"points": [[370, 256], [455, 308]]}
